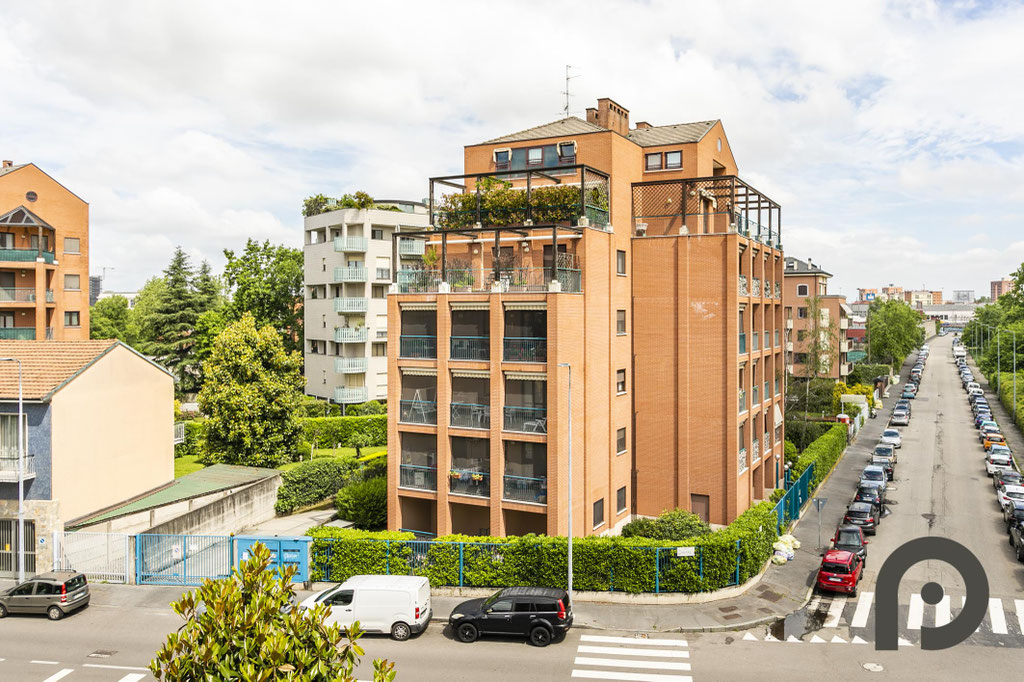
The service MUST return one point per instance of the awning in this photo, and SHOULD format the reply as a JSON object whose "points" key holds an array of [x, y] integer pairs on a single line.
{"points": [[471, 373], [423, 305], [527, 376], [470, 305], [778, 415], [526, 305], [418, 371]]}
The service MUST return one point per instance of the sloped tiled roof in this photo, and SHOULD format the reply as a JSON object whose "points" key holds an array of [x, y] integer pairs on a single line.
{"points": [[679, 133], [46, 365], [566, 126], [800, 267], [11, 169]]}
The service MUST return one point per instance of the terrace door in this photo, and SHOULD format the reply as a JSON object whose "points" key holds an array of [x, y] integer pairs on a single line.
{"points": [[9, 548]]}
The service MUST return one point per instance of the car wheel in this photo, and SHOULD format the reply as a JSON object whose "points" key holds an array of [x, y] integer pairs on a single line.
{"points": [[467, 632], [3, 609], [1020, 553], [54, 613], [400, 631], [853, 592], [540, 636]]}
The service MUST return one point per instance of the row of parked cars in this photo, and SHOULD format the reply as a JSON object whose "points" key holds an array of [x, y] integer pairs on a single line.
{"points": [[842, 567]]}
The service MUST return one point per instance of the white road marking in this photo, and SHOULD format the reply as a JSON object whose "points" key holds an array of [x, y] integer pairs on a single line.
{"points": [[747, 637], [813, 604], [836, 639], [114, 667], [625, 651], [45, 662], [942, 612], [1018, 605], [633, 640], [858, 640], [131, 677], [635, 677], [791, 638], [622, 663], [817, 640], [916, 615], [835, 612], [860, 615], [903, 642], [996, 616], [59, 675]]}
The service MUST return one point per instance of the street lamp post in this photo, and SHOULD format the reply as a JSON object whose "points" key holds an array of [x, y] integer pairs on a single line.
{"points": [[21, 473], [569, 367]]}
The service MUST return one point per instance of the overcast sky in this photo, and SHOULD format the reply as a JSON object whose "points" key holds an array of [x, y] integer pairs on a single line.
{"points": [[891, 133]]}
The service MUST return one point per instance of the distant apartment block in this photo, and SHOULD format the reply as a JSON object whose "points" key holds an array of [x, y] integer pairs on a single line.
{"points": [[44, 257], [805, 281], [999, 287], [130, 296], [634, 258], [349, 260]]}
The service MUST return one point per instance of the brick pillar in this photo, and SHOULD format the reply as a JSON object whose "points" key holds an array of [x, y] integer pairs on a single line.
{"points": [[40, 307], [497, 390]]}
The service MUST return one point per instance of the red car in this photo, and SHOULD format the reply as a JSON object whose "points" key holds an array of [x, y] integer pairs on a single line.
{"points": [[840, 571]]}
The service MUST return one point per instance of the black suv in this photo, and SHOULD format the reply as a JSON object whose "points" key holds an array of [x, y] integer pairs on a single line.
{"points": [[872, 496], [540, 613]]}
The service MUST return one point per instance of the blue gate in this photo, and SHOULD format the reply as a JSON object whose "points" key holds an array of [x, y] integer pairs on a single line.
{"points": [[182, 559]]}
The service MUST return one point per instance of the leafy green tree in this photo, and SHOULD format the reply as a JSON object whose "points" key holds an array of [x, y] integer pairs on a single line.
{"points": [[364, 503], [893, 331], [252, 390], [209, 325], [208, 289], [266, 281], [360, 440], [144, 311], [111, 318], [245, 631], [821, 340], [174, 321]]}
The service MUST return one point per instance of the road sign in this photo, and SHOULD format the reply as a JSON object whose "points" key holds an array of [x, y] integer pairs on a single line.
{"points": [[819, 502]]}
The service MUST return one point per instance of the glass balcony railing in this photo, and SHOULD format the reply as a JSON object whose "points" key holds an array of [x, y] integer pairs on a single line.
{"points": [[471, 348], [743, 342], [526, 349], [464, 482], [350, 244], [418, 411], [417, 477], [743, 401], [471, 415], [767, 390], [776, 338], [22, 295], [526, 489], [755, 396], [526, 419], [18, 333], [418, 346]]}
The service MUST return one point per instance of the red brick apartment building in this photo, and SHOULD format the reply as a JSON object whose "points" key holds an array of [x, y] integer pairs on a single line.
{"points": [[634, 258], [803, 281]]}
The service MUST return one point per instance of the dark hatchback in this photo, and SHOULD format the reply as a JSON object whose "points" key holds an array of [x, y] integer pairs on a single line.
{"points": [[539, 613], [1006, 477], [851, 539], [862, 514], [873, 496]]}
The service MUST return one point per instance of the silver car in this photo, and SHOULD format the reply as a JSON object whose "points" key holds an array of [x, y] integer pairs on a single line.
{"points": [[892, 437], [874, 476], [900, 418], [55, 594]]}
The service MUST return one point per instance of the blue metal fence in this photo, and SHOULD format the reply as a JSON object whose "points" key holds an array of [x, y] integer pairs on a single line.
{"points": [[181, 559], [798, 492]]}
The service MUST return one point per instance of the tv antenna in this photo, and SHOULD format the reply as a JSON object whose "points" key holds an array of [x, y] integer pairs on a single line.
{"points": [[566, 91]]}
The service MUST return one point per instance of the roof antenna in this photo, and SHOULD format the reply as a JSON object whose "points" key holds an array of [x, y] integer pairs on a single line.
{"points": [[566, 91]]}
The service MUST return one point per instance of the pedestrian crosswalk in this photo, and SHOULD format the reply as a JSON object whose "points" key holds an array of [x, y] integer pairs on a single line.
{"points": [[54, 671], [640, 659]]}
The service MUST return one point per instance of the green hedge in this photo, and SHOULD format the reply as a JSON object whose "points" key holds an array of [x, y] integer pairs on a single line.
{"points": [[364, 502], [803, 433], [823, 453], [599, 563], [326, 432], [193, 443], [313, 482], [312, 406]]}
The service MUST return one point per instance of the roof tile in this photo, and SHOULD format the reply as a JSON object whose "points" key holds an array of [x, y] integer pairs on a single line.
{"points": [[45, 364]]}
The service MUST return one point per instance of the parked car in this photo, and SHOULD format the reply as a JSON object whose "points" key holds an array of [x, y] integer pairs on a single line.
{"points": [[993, 439], [908, 394], [999, 450], [892, 437], [1006, 477], [396, 604], [981, 406], [874, 475], [987, 428], [903, 405], [886, 463], [987, 422], [900, 418], [840, 571], [885, 450], [997, 460], [56, 594], [850, 538], [1013, 514], [981, 418], [971, 385], [540, 613], [1016, 534], [873, 496], [910, 386], [1008, 496]]}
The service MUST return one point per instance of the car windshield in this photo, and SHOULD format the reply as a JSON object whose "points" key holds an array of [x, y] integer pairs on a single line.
{"points": [[855, 514], [873, 475], [493, 598], [1010, 477], [1018, 513], [890, 433], [1014, 495], [833, 567], [849, 537]]}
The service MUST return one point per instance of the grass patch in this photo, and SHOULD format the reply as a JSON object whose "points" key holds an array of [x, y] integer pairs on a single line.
{"points": [[186, 465], [189, 463]]}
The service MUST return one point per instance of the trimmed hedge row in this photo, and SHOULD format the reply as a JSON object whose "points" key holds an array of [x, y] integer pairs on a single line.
{"points": [[804, 433], [313, 482], [331, 431], [193, 443], [823, 453], [599, 563]]}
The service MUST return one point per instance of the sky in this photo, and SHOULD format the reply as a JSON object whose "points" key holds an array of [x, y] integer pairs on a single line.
{"points": [[891, 132]]}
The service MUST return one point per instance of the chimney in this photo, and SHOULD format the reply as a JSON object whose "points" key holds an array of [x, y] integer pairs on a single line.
{"points": [[642, 125], [8, 164], [612, 116], [592, 115]]}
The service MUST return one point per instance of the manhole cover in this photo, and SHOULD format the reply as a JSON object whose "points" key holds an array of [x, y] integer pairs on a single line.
{"points": [[102, 653], [771, 596], [727, 609]]}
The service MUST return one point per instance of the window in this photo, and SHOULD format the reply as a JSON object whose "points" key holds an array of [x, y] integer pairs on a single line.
{"points": [[72, 245], [502, 606], [323, 321], [380, 350], [46, 588], [24, 590], [620, 262], [800, 358], [620, 440], [342, 598], [801, 334], [620, 381], [599, 513], [620, 499], [323, 265], [535, 156], [72, 282], [33, 242], [6, 240], [502, 157], [379, 291], [567, 152], [673, 159], [377, 233], [801, 313], [323, 376], [72, 319], [524, 607], [31, 196], [801, 289], [652, 161], [620, 322]]}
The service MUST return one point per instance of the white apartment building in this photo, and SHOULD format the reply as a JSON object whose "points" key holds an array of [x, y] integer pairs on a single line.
{"points": [[349, 262]]}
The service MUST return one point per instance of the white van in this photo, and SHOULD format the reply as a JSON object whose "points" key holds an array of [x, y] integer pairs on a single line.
{"points": [[397, 604], [959, 352]]}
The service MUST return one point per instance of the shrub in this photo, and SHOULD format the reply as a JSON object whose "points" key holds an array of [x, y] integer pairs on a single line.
{"points": [[364, 503], [824, 452], [312, 482], [864, 373], [367, 408], [193, 443], [303, 451], [677, 524], [791, 452], [374, 466], [803, 433], [334, 431], [311, 406]]}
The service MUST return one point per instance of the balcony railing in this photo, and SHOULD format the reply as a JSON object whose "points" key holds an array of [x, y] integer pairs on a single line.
{"points": [[417, 477], [350, 244], [844, 323], [9, 465], [411, 247], [471, 415], [741, 460], [471, 348], [755, 289], [515, 279], [22, 295], [755, 452], [526, 419], [464, 482], [755, 396], [756, 342], [350, 305], [349, 395], [350, 335], [350, 365], [743, 400], [179, 432], [418, 411], [526, 489], [18, 333], [789, 323], [743, 286], [767, 391], [778, 291], [25, 255], [383, 273], [743, 342], [526, 349], [418, 346], [350, 274]]}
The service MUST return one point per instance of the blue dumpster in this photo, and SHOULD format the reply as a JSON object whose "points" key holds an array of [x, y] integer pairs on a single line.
{"points": [[284, 551]]}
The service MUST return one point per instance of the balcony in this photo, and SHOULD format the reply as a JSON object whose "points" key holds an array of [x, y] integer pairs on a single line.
{"points": [[179, 433], [17, 333], [755, 394], [778, 291], [845, 368], [776, 338], [755, 287], [350, 305], [350, 274], [743, 400], [743, 290], [469, 482], [743, 343], [844, 347], [526, 349], [471, 415], [526, 419], [350, 244], [789, 346], [844, 323], [755, 452], [741, 460], [470, 348], [418, 411], [416, 346], [526, 489], [767, 289], [417, 477], [350, 395], [25, 255], [22, 295], [411, 248], [350, 335], [350, 365], [789, 323], [9, 465], [504, 279], [767, 391]]}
